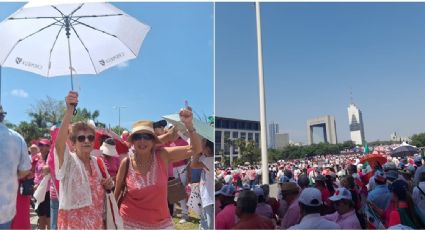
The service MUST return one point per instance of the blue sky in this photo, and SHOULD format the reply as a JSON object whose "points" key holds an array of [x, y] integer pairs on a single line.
{"points": [[175, 64], [313, 54]]}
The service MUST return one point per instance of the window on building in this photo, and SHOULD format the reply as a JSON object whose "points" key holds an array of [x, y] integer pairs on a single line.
{"points": [[233, 125], [235, 135], [225, 124], [218, 141], [257, 138], [250, 137], [243, 135]]}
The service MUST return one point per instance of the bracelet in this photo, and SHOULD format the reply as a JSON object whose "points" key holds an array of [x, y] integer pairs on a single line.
{"points": [[191, 130]]}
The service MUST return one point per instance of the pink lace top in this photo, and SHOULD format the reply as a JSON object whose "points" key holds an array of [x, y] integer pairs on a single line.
{"points": [[89, 217], [145, 205]]}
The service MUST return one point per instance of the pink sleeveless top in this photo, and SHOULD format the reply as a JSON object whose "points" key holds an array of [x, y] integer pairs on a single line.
{"points": [[145, 205]]}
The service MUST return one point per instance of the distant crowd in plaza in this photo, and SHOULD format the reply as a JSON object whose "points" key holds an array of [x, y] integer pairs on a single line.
{"points": [[346, 191], [68, 177]]}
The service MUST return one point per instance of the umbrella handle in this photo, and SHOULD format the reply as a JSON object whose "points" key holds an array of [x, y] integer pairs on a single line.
{"points": [[75, 108]]}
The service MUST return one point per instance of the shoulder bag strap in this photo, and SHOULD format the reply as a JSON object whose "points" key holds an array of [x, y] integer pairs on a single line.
{"points": [[101, 166], [127, 164], [421, 190]]}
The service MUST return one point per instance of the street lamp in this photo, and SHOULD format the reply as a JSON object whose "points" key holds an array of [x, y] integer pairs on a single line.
{"points": [[119, 113]]}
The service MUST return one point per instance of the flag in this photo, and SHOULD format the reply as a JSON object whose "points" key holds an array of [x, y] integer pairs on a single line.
{"points": [[367, 172], [366, 149]]}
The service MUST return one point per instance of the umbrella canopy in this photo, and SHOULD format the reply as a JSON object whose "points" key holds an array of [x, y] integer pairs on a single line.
{"points": [[404, 150], [373, 160], [202, 128], [82, 38]]}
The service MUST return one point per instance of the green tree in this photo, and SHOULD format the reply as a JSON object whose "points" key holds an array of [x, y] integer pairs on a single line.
{"points": [[418, 140], [30, 131], [118, 130], [249, 151], [47, 112]]}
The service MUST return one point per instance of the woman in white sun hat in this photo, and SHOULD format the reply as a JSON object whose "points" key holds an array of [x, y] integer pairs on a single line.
{"points": [[110, 157]]}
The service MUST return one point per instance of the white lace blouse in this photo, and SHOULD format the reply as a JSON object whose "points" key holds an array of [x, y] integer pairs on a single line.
{"points": [[74, 189]]}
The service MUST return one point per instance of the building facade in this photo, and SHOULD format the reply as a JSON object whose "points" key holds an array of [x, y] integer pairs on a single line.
{"points": [[327, 124], [355, 120], [281, 140], [273, 130], [229, 129]]}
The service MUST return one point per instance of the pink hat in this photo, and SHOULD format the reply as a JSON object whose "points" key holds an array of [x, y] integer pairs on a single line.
{"points": [[44, 141]]}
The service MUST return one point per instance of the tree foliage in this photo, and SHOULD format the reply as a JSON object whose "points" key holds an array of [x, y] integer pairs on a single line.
{"points": [[249, 152], [46, 113], [418, 140], [118, 130]]}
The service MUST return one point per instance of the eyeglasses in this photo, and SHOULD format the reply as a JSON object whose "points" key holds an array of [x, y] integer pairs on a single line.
{"points": [[43, 145], [144, 136], [83, 138]]}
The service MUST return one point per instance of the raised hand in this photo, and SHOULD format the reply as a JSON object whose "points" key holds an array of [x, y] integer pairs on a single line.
{"points": [[71, 100], [186, 116]]}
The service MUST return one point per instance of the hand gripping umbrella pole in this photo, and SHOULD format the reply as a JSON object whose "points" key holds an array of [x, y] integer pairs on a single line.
{"points": [[67, 29]]}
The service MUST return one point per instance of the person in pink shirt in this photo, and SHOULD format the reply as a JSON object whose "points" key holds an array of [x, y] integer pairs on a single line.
{"points": [[225, 219], [110, 157], [144, 204], [43, 210], [54, 185], [345, 214], [290, 193]]}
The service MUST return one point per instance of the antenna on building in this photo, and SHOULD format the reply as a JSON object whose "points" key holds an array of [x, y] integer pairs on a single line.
{"points": [[351, 96]]}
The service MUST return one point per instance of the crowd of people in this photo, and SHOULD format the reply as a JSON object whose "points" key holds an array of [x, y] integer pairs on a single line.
{"points": [[346, 191], [65, 171]]}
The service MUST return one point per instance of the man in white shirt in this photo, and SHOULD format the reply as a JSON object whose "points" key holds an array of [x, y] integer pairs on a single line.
{"points": [[205, 161], [310, 201], [15, 164]]}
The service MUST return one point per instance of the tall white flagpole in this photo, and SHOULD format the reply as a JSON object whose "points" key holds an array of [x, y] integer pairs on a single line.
{"points": [[263, 124]]}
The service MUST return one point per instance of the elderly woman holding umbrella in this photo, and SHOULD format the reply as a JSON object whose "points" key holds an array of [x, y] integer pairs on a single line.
{"points": [[144, 174], [82, 187]]}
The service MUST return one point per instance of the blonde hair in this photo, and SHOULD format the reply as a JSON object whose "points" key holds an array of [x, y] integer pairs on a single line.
{"points": [[80, 126]]}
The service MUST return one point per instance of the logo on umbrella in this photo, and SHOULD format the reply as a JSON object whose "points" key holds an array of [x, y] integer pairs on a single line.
{"points": [[111, 59], [19, 60]]}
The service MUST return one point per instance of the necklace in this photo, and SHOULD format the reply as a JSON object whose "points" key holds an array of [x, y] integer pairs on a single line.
{"points": [[141, 166]]}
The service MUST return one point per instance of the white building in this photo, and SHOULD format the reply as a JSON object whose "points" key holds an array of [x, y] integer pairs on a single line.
{"points": [[230, 129], [397, 138], [281, 140], [273, 130], [355, 120], [327, 125]]}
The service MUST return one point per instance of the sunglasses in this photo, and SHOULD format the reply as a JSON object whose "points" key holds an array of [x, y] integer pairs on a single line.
{"points": [[43, 145], [144, 136], [83, 138]]}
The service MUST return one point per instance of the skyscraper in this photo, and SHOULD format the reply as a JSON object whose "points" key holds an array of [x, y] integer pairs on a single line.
{"points": [[355, 120], [273, 129]]}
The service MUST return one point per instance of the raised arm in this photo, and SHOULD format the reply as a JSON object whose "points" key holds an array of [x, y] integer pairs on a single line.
{"points": [[62, 137], [183, 152], [170, 135]]}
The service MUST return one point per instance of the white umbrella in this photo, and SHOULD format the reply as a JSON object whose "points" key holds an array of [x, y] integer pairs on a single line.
{"points": [[67, 39], [202, 128]]}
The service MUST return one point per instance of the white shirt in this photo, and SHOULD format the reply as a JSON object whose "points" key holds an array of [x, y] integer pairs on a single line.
{"points": [[207, 182], [74, 189], [315, 221], [419, 198], [228, 179], [14, 158]]}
